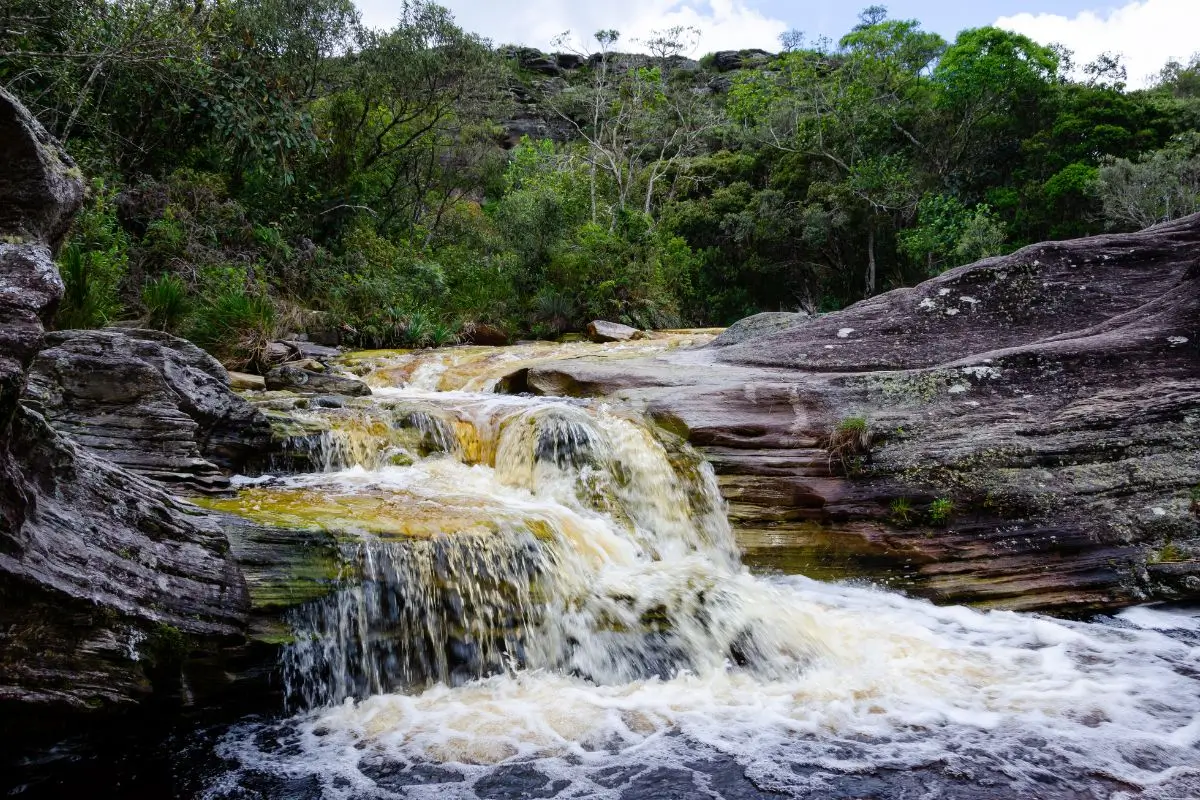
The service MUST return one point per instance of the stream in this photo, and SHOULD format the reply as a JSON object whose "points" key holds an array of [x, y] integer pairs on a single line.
{"points": [[542, 597]]}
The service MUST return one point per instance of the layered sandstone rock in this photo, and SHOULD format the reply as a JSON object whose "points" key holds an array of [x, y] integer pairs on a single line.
{"points": [[108, 586], [150, 402]]}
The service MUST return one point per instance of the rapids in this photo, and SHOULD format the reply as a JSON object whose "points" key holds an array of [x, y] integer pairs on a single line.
{"points": [[542, 597]]}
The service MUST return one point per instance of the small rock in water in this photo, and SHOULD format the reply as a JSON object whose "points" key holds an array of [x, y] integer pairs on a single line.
{"points": [[243, 381], [602, 331]]}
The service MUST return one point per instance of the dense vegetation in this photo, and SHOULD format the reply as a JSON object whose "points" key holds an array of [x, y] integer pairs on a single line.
{"points": [[262, 165]]}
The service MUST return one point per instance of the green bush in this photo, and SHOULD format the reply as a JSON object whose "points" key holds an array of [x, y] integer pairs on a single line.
{"points": [[166, 301], [93, 264], [940, 512], [235, 326]]}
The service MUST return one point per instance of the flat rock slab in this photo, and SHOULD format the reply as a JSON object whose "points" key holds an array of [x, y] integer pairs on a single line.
{"points": [[149, 401]]}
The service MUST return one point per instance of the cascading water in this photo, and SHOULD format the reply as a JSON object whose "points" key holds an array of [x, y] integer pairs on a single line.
{"points": [[542, 597]]}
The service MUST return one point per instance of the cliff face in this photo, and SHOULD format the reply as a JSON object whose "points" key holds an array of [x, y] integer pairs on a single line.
{"points": [[108, 585], [1023, 432]]}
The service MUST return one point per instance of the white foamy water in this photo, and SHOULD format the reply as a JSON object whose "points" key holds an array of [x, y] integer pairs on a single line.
{"points": [[568, 617]]}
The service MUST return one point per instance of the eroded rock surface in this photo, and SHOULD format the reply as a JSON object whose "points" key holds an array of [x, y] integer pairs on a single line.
{"points": [[1050, 400], [108, 586], [298, 379], [148, 401], [758, 325]]}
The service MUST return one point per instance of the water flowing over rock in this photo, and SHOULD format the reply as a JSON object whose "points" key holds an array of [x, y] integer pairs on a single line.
{"points": [[543, 596], [1050, 399], [106, 582], [150, 402]]}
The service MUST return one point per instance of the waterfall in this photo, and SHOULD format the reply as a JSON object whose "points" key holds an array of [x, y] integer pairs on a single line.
{"points": [[580, 509], [547, 592]]}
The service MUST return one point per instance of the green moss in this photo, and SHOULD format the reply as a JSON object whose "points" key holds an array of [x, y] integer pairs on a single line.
{"points": [[165, 645], [1169, 553]]}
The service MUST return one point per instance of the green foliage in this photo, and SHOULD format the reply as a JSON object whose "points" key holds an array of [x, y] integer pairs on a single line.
{"points": [[93, 264], [284, 153], [902, 511], [948, 234], [235, 325], [1158, 187], [166, 301], [1169, 553], [940, 512], [166, 646]]}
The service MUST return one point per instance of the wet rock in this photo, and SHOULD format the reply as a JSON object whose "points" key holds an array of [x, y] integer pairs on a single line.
{"points": [[601, 331], [277, 352], [241, 381], [303, 380], [758, 325], [108, 586], [310, 364], [151, 402], [485, 335], [1051, 397]]}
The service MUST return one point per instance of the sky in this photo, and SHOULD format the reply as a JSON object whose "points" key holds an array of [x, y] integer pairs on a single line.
{"points": [[1146, 32]]}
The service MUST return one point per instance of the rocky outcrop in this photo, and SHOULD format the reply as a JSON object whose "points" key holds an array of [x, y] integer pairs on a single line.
{"points": [[601, 331], [150, 402], [108, 586], [758, 325], [1022, 433], [729, 60]]}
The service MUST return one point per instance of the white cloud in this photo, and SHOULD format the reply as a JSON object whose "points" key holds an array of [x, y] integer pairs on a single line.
{"points": [[1147, 33], [724, 24]]}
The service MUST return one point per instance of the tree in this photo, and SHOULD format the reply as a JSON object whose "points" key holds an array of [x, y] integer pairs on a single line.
{"points": [[854, 110], [1158, 187], [643, 127]]}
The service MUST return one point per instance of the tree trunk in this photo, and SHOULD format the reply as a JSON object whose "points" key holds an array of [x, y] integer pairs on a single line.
{"points": [[870, 259]]}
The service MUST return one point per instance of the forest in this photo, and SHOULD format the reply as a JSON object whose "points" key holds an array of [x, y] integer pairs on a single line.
{"points": [[259, 166]]}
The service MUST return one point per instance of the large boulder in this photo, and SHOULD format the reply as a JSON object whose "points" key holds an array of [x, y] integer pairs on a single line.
{"points": [[108, 586], [148, 401], [1019, 433]]}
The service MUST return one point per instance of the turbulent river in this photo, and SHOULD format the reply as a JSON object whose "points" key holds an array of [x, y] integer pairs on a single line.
{"points": [[542, 597]]}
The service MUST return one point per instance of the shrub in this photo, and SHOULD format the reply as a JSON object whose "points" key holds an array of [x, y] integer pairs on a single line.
{"points": [[235, 326], [851, 437], [902, 511], [89, 300], [940, 512], [167, 303], [442, 334], [93, 264]]}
